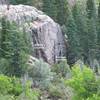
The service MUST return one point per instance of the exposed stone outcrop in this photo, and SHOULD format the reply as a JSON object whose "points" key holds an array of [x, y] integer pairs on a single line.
{"points": [[42, 29]]}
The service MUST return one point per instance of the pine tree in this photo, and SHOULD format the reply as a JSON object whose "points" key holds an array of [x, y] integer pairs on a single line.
{"points": [[4, 36], [30, 2], [98, 27], [49, 7], [80, 17], [17, 50], [73, 40], [4, 63], [91, 8], [13, 49], [62, 11], [92, 32]]}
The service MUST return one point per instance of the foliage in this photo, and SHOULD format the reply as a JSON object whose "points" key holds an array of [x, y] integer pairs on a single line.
{"points": [[94, 97], [85, 19], [10, 85], [17, 87], [98, 30], [4, 63], [81, 23], [91, 8], [11, 89], [30, 2], [73, 39], [5, 84], [49, 7], [13, 48], [7, 97], [31, 94], [62, 69], [55, 91], [80, 18], [92, 29], [83, 82], [62, 11], [41, 73], [59, 91]]}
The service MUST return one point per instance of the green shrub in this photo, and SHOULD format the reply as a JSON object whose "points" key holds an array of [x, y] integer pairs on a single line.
{"points": [[7, 97], [11, 89], [55, 91], [17, 87], [10, 86], [28, 93], [94, 97], [59, 91], [41, 74], [83, 82], [62, 69], [5, 84]]}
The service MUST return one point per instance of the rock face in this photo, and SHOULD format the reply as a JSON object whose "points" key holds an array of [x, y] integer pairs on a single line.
{"points": [[46, 35]]}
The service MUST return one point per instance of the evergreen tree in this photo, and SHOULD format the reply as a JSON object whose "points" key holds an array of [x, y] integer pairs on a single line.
{"points": [[13, 48], [4, 36], [98, 27], [71, 31], [49, 7], [91, 8], [92, 32], [30, 2], [62, 11], [80, 17]]}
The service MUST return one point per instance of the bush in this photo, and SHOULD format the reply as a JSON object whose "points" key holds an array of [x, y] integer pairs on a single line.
{"points": [[11, 86], [83, 82], [5, 84], [17, 87], [59, 91], [7, 97], [11, 89], [28, 93], [55, 91], [41, 74], [62, 69], [94, 97]]}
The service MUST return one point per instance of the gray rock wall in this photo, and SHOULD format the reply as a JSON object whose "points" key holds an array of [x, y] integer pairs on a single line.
{"points": [[4, 2], [41, 28]]}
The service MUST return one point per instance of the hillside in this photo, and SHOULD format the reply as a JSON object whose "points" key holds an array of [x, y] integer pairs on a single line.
{"points": [[49, 50]]}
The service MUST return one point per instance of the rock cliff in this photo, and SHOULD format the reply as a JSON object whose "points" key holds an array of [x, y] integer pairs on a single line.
{"points": [[46, 36]]}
